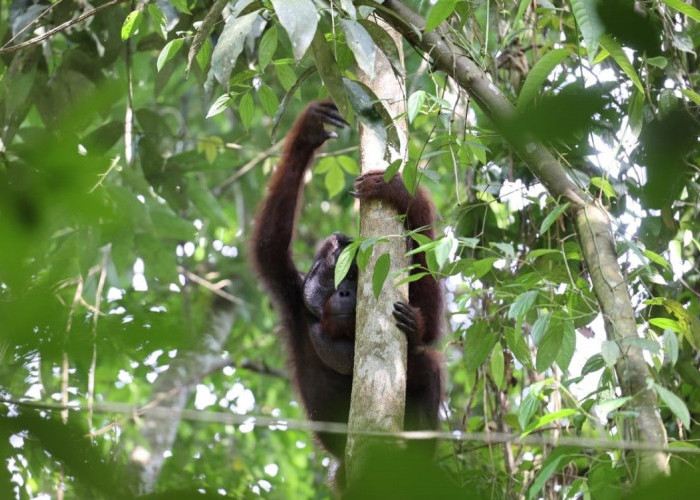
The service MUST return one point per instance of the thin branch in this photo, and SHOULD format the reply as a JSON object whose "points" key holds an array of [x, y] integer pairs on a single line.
{"points": [[216, 289], [283, 424], [60, 27]]}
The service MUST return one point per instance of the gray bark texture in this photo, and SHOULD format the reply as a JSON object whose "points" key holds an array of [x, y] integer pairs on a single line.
{"points": [[379, 374]]}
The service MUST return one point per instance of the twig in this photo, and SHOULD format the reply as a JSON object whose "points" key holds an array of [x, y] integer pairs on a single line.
{"points": [[59, 28], [211, 286]]}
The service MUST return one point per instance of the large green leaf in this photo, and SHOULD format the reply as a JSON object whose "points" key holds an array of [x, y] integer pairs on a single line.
{"points": [[538, 75], [230, 45], [361, 45], [589, 22], [299, 19], [685, 8], [615, 50]]}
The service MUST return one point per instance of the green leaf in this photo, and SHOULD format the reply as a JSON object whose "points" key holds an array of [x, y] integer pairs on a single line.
{"points": [[438, 13], [671, 346], [548, 468], [515, 340], [268, 99], [349, 164], [692, 95], [483, 266], [610, 352], [568, 342], [329, 72], [522, 304], [299, 19], [385, 43], [548, 349], [230, 45], [666, 323], [159, 20], [635, 110], [169, 51], [497, 366], [538, 75], [131, 24], [443, 249], [267, 47], [553, 216], [604, 185], [609, 405], [675, 404], [414, 105], [591, 27], [659, 61], [539, 329], [478, 344], [593, 364], [334, 180], [286, 75], [246, 108], [206, 203], [361, 44], [219, 105], [620, 58], [684, 8], [549, 418], [381, 271], [344, 262], [181, 5], [528, 407]]}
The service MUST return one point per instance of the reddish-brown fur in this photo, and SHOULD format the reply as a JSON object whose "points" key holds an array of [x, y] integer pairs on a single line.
{"points": [[320, 339]]}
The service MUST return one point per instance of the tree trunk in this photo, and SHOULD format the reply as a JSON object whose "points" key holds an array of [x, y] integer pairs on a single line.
{"points": [[379, 373], [173, 389]]}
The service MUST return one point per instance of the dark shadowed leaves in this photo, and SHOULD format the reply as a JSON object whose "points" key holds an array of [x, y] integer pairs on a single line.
{"points": [[561, 117]]}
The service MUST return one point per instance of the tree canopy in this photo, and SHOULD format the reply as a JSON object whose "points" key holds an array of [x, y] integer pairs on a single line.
{"points": [[559, 140]]}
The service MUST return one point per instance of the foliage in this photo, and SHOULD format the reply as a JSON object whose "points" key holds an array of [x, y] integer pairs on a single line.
{"points": [[135, 145]]}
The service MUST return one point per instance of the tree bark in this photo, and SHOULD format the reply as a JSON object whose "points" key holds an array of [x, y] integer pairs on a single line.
{"points": [[592, 221], [379, 373], [173, 389]]}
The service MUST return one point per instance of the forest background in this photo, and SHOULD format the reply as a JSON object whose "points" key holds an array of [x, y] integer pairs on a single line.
{"points": [[559, 140]]}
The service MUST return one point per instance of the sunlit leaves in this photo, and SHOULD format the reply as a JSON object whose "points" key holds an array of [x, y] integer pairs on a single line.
{"points": [[610, 351], [553, 216], [267, 47], [589, 22], [438, 13], [219, 106], [361, 45], [132, 24], [614, 49], [159, 20], [685, 8], [415, 103], [299, 19], [169, 51], [230, 45]]}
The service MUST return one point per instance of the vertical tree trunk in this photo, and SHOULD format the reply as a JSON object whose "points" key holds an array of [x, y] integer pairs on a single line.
{"points": [[379, 374]]}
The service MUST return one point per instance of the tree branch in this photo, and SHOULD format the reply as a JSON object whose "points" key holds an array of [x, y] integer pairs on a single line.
{"points": [[59, 28]]}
